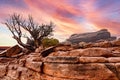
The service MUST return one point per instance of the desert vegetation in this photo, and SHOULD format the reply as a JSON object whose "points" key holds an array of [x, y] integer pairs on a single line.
{"points": [[35, 32], [47, 42]]}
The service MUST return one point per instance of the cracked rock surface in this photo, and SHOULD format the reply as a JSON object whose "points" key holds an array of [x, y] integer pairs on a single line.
{"points": [[93, 63]]}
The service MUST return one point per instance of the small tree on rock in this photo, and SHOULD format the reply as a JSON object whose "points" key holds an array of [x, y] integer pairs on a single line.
{"points": [[17, 25]]}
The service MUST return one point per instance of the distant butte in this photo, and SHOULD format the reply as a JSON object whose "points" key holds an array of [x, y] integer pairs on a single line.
{"points": [[102, 34]]}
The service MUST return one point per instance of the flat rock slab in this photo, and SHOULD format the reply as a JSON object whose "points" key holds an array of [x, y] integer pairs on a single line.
{"points": [[91, 71], [2, 53], [65, 59], [48, 77], [92, 60], [34, 65], [75, 59], [92, 52], [5, 60], [13, 51], [114, 59]]}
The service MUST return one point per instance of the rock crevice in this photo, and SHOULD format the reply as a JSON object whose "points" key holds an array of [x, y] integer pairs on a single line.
{"points": [[64, 63]]}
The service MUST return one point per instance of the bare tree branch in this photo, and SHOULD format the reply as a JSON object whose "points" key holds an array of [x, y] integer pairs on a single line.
{"points": [[37, 32]]}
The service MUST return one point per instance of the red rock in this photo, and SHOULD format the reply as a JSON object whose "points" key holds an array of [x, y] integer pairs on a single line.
{"points": [[78, 64], [116, 43], [105, 44], [48, 77], [63, 59], [114, 59], [60, 53], [47, 51], [12, 71], [117, 65], [92, 60], [22, 62], [63, 48], [36, 66], [28, 74], [82, 44], [92, 52], [7, 78], [38, 50], [5, 60], [3, 69], [3, 53], [15, 50], [93, 71]]}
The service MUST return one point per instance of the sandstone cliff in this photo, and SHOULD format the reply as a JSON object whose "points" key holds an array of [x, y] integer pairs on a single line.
{"points": [[63, 62]]}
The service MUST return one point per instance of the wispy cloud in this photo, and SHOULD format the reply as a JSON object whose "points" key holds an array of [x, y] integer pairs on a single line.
{"points": [[69, 16]]}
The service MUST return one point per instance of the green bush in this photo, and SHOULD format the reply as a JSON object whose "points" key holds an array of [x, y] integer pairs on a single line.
{"points": [[47, 42]]}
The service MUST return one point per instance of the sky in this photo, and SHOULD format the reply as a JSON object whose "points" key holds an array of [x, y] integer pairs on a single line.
{"points": [[69, 16]]}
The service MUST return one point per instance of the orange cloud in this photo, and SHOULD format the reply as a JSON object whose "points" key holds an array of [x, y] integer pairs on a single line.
{"points": [[70, 17]]}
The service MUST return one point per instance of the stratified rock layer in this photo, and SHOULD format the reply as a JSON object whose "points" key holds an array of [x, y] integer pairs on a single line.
{"points": [[91, 37], [65, 63]]}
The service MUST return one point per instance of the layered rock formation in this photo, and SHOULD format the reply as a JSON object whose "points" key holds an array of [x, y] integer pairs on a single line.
{"points": [[65, 62], [2, 48], [91, 37], [11, 52]]}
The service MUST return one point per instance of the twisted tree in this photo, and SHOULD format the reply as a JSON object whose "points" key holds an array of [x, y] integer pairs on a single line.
{"points": [[17, 25]]}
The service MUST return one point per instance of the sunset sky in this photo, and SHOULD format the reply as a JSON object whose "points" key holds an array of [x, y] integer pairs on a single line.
{"points": [[69, 16]]}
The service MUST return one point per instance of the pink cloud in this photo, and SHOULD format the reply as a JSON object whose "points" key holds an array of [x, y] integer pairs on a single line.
{"points": [[67, 17]]}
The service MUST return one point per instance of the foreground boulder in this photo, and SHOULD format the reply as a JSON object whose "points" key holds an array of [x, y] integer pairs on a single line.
{"points": [[93, 71], [11, 52], [64, 62], [91, 37]]}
